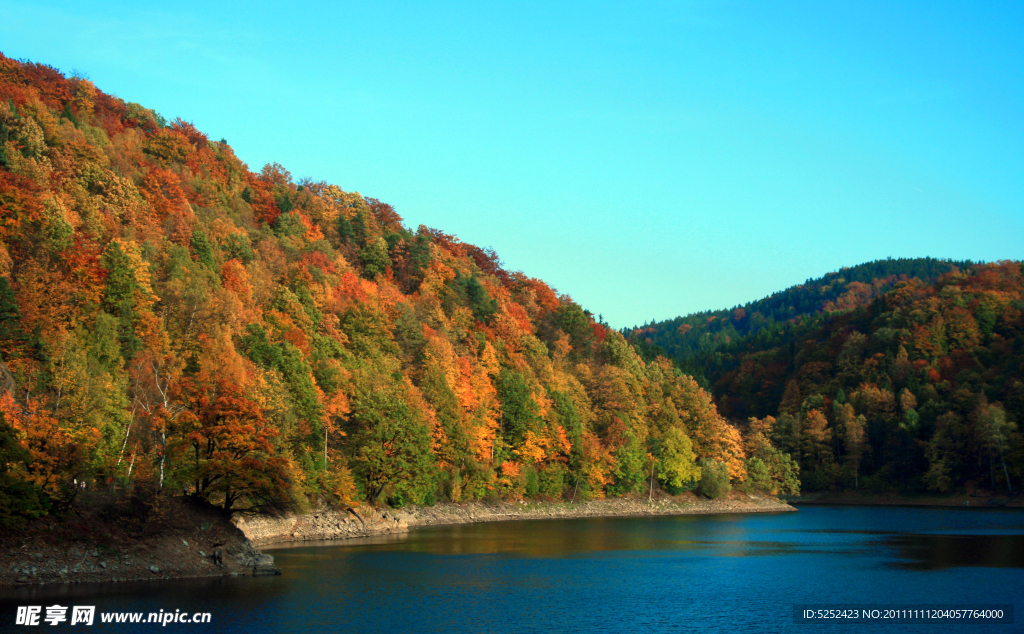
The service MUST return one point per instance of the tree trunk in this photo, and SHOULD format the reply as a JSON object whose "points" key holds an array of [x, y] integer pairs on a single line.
{"points": [[651, 493]]}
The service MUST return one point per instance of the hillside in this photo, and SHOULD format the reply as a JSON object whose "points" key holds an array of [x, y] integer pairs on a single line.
{"points": [[172, 323]]}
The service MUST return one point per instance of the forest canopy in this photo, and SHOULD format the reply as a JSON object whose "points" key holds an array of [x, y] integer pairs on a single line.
{"points": [[173, 322]]}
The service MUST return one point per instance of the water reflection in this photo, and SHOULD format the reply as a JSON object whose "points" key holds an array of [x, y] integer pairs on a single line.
{"points": [[561, 538], [908, 543], [937, 547], [937, 552]]}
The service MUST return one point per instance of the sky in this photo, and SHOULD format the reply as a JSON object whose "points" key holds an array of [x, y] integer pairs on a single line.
{"points": [[648, 159]]}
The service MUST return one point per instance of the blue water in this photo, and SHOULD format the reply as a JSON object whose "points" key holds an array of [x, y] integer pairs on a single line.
{"points": [[718, 573]]}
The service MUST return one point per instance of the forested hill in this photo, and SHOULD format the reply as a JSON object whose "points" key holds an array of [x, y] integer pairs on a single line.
{"points": [[708, 344], [922, 388], [172, 322]]}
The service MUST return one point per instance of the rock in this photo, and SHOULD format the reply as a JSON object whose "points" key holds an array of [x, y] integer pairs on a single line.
{"points": [[264, 565], [154, 569], [103, 565], [22, 580]]}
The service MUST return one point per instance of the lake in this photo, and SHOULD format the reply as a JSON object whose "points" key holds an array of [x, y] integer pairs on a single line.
{"points": [[696, 573]]}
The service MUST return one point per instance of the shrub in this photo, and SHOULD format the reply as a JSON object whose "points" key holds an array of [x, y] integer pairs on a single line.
{"points": [[758, 476], [714, 479], [552, 480]]}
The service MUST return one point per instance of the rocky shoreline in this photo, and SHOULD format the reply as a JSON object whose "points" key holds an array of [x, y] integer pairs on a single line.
{"points": [[327, 524]]}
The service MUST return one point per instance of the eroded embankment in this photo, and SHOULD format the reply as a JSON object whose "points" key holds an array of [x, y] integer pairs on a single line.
{"points": [[181, 538]]}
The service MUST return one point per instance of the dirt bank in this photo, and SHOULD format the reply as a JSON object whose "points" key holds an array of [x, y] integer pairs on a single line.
{"points": [[126, 543], [331, 524]]}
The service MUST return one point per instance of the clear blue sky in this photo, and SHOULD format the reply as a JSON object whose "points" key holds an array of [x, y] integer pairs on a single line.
{"points": [[648, 159]]}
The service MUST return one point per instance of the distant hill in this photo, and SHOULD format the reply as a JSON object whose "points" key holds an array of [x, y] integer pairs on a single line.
{"points": [[920, 386]]}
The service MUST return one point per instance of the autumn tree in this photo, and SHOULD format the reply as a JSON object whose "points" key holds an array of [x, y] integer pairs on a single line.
{"points": [[630, 466], [58, 454], [13, 338], [388, 444], [995, 431], [519, 412], [227, 449], [855, 441], [677, 465]]}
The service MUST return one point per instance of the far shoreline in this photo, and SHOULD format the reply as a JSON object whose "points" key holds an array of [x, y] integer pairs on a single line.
{"points": [[951, 501]]}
